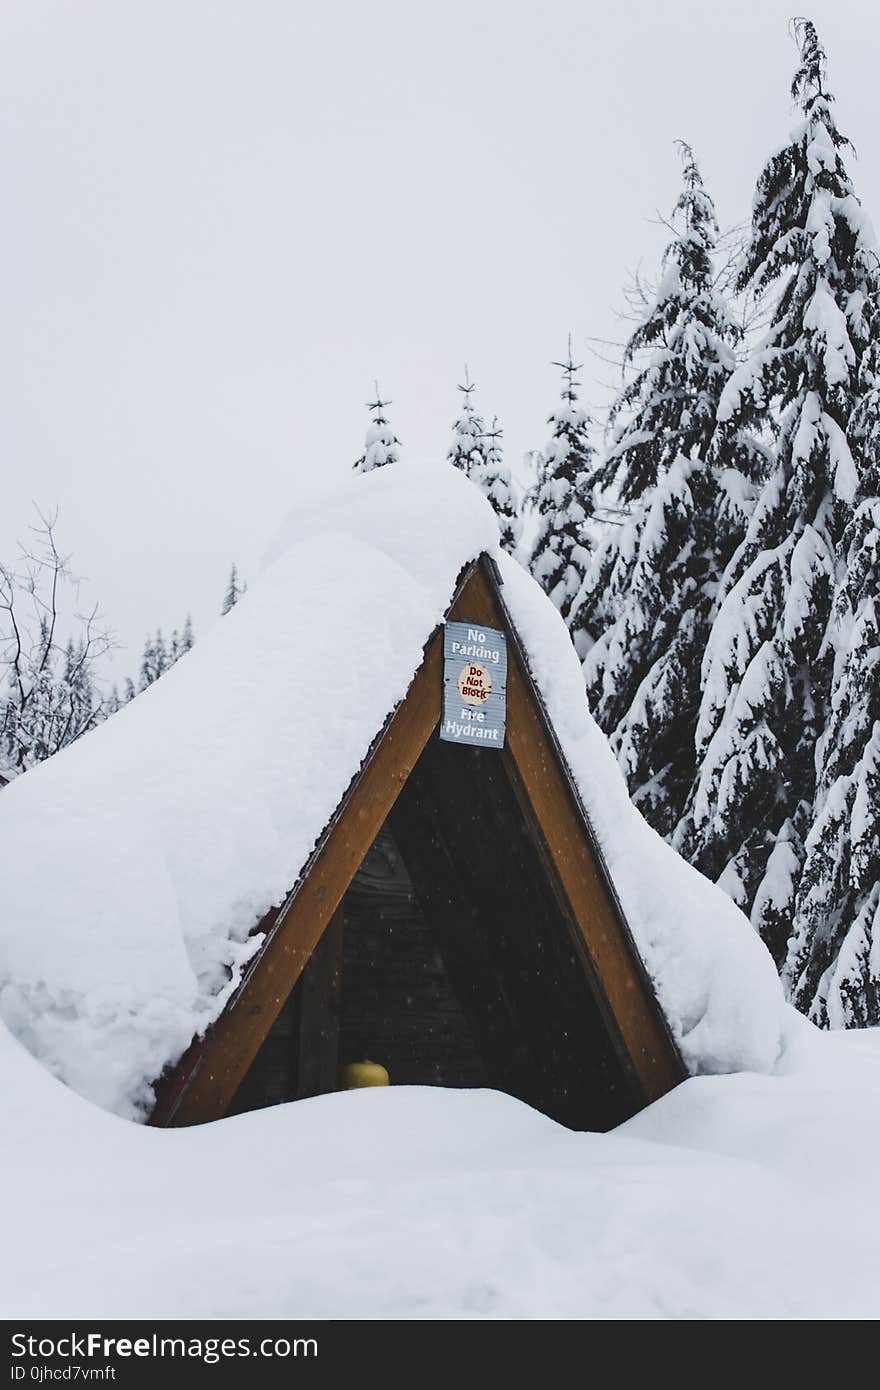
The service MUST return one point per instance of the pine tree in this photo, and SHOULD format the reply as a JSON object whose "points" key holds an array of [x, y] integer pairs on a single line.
{"points": [[158, 656], [468, 431], [681, 355], [381, 445], [494, 479], [563, 496], [234, 591], [181, 642], [646, 605], [154, 660], [832, 967], [768, 666]]}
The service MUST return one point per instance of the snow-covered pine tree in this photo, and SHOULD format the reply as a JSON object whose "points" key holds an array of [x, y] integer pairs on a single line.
{"points": [[832, 968], [234, 591], [381, 445], [154, 660], [158, 655], [466, 449], [182, 641], [644, 611], [562, 496], [478, 453], [495, 481], [681, 354], [768, 667]]}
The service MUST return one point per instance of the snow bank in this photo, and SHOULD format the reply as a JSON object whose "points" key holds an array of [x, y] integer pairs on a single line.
{"points": [[137, 862], [730, 1198]]}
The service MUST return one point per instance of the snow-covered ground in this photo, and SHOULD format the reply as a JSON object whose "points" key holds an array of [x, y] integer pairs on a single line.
{"points": [[135, 865], [736, 1196]]}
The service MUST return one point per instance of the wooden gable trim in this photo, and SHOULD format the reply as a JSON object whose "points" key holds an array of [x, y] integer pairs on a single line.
{"points": [[204, 1082]]}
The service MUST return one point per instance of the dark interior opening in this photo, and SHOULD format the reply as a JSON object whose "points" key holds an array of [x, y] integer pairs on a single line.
{"points": [[453, 961]]}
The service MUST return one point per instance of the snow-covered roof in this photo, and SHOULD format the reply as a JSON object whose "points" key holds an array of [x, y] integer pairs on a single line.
{"points": [[137, 862]]}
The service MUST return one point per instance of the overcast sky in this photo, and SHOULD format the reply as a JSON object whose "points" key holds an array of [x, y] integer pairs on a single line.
{"points": [[221, 220]]}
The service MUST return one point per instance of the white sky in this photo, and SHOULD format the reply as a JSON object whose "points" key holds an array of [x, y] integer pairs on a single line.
{"points": [[221, 220]]}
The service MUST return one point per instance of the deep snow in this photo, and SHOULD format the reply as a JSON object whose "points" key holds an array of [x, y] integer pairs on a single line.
{"points": [[746, 1196], [136, 863]]}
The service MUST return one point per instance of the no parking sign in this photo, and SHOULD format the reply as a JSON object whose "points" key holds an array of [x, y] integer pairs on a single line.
{"points": [[474, 685]]}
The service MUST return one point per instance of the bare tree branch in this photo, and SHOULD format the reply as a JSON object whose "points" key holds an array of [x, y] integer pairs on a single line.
{"points": [[50, 652]]}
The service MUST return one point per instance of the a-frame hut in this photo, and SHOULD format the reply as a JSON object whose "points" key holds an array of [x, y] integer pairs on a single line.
{"points": [[456, 921], [369, 818]]}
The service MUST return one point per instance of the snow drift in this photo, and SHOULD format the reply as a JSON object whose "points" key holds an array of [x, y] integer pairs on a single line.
{"points": [[137, 862], [430, 1203]]}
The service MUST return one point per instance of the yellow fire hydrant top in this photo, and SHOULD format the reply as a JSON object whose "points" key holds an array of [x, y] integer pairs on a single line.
{"points": [[358, 1074]]}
